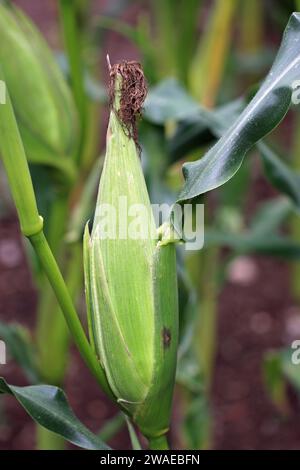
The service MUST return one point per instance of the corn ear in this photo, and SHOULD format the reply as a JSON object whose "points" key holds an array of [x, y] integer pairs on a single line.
{"points": [[131, 292]]}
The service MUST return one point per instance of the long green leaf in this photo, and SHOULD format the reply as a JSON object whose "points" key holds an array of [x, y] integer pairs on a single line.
{"points": [[263, 113], [49, 407], [275, 245], [133, 436]]}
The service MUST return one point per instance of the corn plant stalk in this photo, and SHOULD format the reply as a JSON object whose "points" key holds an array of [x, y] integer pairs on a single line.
{"points": [[48, 440], [68, 16], [251, 27], [51, 329], [51, 326], [175, 46], [49, 318], [295, 219], [207, 68], [166, 34], [205, 338]]}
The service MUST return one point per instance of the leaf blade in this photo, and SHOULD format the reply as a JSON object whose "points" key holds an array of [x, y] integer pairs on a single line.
{"points": [[48, 406], [263, 113]]}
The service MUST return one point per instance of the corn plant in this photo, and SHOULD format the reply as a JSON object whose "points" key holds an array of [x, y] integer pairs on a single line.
{"points": [[51, 123], [131, 285]]}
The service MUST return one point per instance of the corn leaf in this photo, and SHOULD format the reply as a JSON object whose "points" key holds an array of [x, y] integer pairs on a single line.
{"points": [[263, 113], [262, 236], [49, 407], [272, 245], [169, 100]]}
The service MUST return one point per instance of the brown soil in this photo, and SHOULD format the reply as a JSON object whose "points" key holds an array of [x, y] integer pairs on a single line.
{"points": [[252, 320]]}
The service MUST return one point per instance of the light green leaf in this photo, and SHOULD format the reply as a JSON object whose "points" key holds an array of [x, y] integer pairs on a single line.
{"points": [[133, 436], [169, 100], [270, 215]]}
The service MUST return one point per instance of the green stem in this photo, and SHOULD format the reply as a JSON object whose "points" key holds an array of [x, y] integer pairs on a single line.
{"points": [[205, 336], [52, 334], [295, 219], [17, 170], [72, 40], [51, 328], [112, 427], [16, 166], [188, 12], [210, 57], [158, 443], [53, 273], [203, 269], [166, 35], [53, 339], [251, 20], [47, 440]]}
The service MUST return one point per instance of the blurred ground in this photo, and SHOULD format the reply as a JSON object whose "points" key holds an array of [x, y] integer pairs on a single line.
{"points": [[256, 314]]}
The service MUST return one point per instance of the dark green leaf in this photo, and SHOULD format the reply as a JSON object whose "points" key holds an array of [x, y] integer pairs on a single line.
{"points": [[49, 407], [262, 114]]}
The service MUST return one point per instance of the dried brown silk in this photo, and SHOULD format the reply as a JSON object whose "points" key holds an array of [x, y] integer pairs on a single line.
{"points": [[132, 95]]}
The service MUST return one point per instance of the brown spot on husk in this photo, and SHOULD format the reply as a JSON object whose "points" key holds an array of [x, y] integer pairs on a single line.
{"points": [[166, 335], [133, 92]]}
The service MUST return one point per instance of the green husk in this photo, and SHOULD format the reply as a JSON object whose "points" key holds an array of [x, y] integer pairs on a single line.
{"points": [[131, 293]]}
